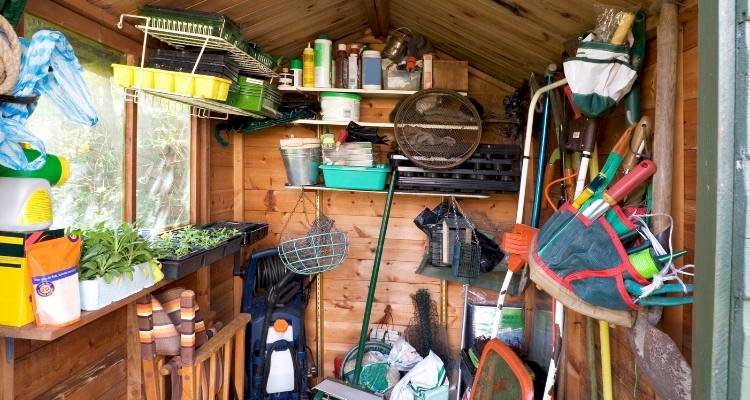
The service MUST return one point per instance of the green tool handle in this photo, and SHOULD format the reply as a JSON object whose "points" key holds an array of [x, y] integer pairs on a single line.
{"points": [[374, 278], [665, 301], [635, 288]]}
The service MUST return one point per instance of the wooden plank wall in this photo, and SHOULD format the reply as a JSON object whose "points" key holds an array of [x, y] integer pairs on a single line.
{"points": [[344, 288]]}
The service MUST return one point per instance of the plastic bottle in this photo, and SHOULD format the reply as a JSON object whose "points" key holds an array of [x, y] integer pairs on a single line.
{"points": [[296, 67], [55, 170], [308, 67], [354, 78], [27, 204], [342, 67], [371, 75], [281, 372], [323, 61]]}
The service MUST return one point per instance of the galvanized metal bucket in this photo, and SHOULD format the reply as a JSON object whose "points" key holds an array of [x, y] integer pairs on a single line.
{"points": [[301, 165]]}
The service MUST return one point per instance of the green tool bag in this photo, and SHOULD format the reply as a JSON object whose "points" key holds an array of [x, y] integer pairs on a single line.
{"points": [[599, 75], [584, 265]]}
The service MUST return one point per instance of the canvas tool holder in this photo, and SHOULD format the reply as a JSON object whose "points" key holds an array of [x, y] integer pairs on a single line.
{"points": [[584, 265]]}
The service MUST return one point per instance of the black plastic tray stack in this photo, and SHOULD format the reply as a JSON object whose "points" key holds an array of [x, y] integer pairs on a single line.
{"points": [[175, 268], [219, 65], [493, 168]]}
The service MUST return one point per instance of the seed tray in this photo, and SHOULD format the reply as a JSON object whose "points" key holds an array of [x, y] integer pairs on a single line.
{"points": [[251, 232], [491, 169]]}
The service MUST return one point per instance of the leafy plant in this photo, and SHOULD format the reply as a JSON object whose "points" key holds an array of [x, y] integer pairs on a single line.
{"points": [[184, 241], [111, 252]]}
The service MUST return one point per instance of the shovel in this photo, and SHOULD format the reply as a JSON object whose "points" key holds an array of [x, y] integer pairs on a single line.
{"points": [[658, 356]]}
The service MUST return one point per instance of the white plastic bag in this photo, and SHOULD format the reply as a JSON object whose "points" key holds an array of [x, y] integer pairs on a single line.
{"points": [[403, 356], [428, 375]]}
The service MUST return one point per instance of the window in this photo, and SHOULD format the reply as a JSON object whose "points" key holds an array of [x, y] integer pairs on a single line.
{"points": [[163, 163], [94, 191]]}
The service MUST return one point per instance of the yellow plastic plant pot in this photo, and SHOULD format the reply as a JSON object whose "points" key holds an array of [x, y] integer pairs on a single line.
{"points": [[210, 87], [164, 81], [184, 84], [123, 75]]}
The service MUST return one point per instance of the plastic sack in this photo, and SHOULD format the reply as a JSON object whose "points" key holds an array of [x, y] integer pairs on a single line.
{"points": [[12, 134], [427, 377], [49, 67], [491, 255], [377, 374], [54, 278], [403, 356]]}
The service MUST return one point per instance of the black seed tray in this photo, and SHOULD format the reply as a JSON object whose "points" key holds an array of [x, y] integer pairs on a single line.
{"points": [[491, 169], [176, 269], [251, 232]]}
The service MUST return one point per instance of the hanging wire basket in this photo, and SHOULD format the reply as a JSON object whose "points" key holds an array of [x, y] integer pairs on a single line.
{"points": [[320, 249]]}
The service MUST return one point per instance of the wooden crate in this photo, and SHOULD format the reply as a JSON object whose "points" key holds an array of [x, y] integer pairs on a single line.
{"points": [[448, 74]]}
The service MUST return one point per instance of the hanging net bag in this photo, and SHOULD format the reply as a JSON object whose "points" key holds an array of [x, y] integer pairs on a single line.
{"points": [[311, 245]]}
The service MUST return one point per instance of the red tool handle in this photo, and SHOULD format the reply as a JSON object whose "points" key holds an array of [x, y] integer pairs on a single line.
{"points": [[627, 183], [569, 95]]}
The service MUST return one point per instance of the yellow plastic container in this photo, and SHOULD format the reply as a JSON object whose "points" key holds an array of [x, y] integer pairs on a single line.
{"points": [[164, 80], [123, 75], [210, 87], [15, 279], [143, 78], [184, 84]]}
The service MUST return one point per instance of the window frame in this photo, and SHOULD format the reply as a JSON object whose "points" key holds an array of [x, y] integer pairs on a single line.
{"points": [[90, 23]]}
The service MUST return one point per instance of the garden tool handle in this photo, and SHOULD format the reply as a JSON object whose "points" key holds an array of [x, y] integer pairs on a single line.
{"points": [[627, 183], [589, 135], [621, 34], [642, 133]]}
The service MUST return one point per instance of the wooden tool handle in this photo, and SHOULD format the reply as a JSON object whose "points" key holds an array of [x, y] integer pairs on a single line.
{"points": [[621, 34], [642, 132], [627, 183]]}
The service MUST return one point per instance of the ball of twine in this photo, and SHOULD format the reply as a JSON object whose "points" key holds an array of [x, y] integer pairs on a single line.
{"points": [[10, 57]]}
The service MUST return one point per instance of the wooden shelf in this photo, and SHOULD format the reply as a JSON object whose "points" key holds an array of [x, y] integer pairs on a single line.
{"points": [[382, 124], [397, 192], [343, 123], [31, 331], [382, 93]]}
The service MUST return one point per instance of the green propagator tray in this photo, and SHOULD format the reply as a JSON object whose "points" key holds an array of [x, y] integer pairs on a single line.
{"points": [[355, 178]]}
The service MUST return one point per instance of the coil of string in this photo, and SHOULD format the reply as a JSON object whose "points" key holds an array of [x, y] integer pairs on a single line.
{"points": [[10, 57]]}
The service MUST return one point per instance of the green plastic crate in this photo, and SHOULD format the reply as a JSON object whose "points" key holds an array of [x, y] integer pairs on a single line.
{"points": [[355, 178]]}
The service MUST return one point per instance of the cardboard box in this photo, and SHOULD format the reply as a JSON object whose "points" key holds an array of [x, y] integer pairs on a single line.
{"points": [[447, 74], [15, 279]]}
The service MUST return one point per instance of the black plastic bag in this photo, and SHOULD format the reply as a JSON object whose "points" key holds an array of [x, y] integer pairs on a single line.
{"points": [[428, 220]]}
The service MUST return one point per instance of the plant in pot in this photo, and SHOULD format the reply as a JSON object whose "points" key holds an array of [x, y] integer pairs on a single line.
{"points": [[115, 263]]}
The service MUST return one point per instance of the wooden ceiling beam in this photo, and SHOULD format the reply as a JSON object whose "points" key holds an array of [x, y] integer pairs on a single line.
{"points": [[377, 16]]}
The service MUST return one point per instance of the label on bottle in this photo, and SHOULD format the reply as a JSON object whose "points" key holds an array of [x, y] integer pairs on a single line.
{"points": [[353, 73]]}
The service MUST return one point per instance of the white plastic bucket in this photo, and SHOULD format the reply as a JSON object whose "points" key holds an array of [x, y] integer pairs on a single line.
{"points": [[338, 106]]}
